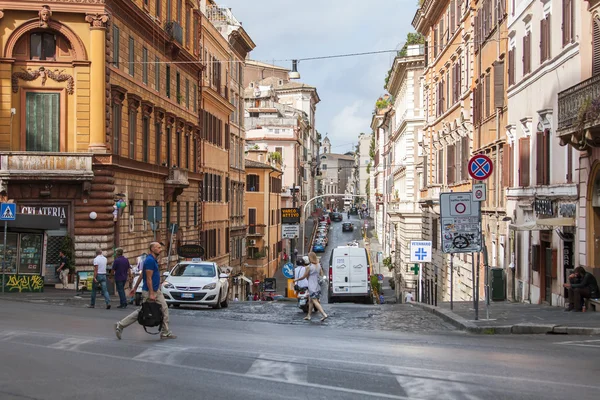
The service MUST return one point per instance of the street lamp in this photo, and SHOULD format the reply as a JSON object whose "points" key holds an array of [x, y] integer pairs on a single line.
{"points": [[294, 74]]}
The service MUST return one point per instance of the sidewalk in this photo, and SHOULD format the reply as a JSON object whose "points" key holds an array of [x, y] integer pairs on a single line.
{"points": [[53, 296], [373, 247], [517, 318]]}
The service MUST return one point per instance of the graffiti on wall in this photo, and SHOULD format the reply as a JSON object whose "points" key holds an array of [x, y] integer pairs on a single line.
{"points": [[23, 283]]}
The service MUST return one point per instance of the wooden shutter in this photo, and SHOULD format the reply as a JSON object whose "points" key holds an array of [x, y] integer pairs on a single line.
{"points": [[450, 161], [466, 154], [546, 159], [596, 48], [542, 40], [452, 22], [511, 166], [435, 42], [499, 84], [527, 53], [426, 53], [440, 165], [511, 66], [524, 162], [487, 95], [566, 23], [501, 10], [458, 12], [539, 153], [506, 166], [535, 257], [554, 270]]}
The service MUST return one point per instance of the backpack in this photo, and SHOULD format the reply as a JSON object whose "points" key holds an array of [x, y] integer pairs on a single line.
{"points": [[150, 315]]}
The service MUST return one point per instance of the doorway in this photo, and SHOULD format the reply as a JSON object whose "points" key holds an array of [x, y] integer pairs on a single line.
{"points": [[546, 273]]}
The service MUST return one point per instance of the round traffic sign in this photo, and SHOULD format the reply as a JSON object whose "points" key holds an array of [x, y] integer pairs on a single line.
{"points": [[460, 208], [288, 270], [480, 167], [478, 194]]}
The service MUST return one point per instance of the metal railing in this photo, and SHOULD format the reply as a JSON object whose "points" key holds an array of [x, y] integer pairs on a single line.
{"points": [[175, 31], [571, 100]]}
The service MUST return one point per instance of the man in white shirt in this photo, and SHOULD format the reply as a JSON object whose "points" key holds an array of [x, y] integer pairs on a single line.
{"points": [[299, 272], [408, 298], [100, 279]]}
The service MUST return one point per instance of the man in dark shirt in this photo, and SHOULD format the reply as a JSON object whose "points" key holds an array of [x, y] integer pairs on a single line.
{"points": [[63, 269], [121, 270], [584, 285]]}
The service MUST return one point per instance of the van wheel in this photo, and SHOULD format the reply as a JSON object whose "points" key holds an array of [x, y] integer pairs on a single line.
{"points": [[369, 300], [330, 299]]}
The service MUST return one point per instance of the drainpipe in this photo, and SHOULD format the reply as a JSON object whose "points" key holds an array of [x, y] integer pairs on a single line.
{"points": [[269, 221], [498, 172]]}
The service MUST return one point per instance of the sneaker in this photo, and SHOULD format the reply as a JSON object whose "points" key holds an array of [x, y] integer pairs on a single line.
{"points": [[108, 306], [118, 330], [90, 306], [169, 336]]}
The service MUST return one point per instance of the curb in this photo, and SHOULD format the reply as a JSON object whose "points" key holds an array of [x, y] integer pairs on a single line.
{"points": [[516, 329]]}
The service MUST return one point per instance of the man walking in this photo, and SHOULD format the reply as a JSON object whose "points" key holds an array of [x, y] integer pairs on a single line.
{"points": [[121, 270], [150, 292], [100, 279], [63, 269]]}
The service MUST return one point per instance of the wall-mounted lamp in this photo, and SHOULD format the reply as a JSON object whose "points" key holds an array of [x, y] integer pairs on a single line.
{"points": [[294, 74], [93, 215]]}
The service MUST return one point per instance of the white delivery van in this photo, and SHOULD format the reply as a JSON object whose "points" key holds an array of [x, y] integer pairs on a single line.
{"points": [[349, 274]]}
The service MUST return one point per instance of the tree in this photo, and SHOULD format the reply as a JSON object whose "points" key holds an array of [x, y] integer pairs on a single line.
{"points": [[372, 147], [368, 187]]}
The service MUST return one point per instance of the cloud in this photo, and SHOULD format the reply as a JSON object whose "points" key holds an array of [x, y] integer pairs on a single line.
{"points": [[346, 125]]}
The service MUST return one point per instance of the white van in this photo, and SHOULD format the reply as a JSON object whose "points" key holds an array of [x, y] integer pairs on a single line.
{"points": [[349, 274]]}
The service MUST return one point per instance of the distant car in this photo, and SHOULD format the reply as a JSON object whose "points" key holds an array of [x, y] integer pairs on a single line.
{"points": [[325, 218], [198, 283], [347, 227], [354, 211], [322, 238], [319, 247], [337, 217]]}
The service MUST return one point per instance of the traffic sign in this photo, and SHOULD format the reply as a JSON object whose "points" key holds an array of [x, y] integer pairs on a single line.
{"points": [[288, 270], [480, 167], [461, 223], [8, 211], [479, 192], [415, 269], [289, 231], [420, 251]]}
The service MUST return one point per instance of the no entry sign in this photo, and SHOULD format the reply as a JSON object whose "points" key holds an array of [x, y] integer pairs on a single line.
{"points": [[480, 167]]}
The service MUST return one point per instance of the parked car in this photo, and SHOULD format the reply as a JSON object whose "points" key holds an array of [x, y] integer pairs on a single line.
{"points": [[325, 218], [198, 283], [319, 246], [347, 227], [354, 211], [323, 238], [337, 217]]}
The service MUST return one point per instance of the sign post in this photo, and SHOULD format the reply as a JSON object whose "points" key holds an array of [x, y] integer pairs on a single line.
{"points": [[420, 252], [8, 212]]}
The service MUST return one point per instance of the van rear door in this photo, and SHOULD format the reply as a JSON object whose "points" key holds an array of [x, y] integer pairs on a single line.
{"points": [[358, 272], [340, 272]]}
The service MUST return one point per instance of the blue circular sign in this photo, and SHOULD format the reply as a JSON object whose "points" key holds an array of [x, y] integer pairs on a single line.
{"points": [[288, 270], [480, 167]]}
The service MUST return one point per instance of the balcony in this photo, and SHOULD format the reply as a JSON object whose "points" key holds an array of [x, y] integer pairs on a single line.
{"points": [[579, 114], [175, 183], [175, 34], [256, 230], [46, 166]]}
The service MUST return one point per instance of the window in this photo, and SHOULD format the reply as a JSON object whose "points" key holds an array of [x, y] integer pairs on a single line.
{"points": [[187, 93], [195, 97], [195, 214], [115, 60], [179, 10], [132, 131], [543, 158], [596, 48], [178, 147], [157, 144], [451, 167], [511, 67], [465, 154], [195, 155], [131, 56], [487, 95], [144, 209], [116, 127], [158, 10], [507, 166], [168, 81], [188, 26], [196, 42], [178, 87], [157, 74], [43, 46], [434, 233], [440, 165], [169, 10], [545, 39], [169, 145], [527, 53], [42, 126], [187, 152], [145, 138], [145, 65], [252, 183], [499, 84], [567, 25], [524, 162]]}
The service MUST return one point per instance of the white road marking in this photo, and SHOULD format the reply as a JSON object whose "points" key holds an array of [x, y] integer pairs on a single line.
{"points": [[8, 335], [70, 343], [579, 341], [165, 355], [435, 389], [278, 367]]}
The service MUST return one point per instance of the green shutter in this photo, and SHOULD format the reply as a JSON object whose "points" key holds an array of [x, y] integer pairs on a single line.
{"points": [[43, 122]]}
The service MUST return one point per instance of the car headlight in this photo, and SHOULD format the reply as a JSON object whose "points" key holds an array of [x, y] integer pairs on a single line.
{"points": [[210, 286], [168, 285]]}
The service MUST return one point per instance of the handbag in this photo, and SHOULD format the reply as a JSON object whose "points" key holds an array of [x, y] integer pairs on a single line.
{"points": [[150, 315]]}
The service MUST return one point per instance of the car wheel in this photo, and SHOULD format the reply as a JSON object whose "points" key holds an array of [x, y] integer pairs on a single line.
{"points": [[138, 299], [225, 303], [217, 306], [175, 305]]}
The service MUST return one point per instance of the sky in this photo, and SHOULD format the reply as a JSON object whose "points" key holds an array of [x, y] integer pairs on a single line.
{"points": [[348, 87]]}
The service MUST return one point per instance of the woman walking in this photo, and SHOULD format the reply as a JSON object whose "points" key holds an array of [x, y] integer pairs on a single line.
{"points": [[313, 272]]}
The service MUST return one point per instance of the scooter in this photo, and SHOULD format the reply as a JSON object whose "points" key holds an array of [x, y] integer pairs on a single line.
{"points": [[303, 297]]}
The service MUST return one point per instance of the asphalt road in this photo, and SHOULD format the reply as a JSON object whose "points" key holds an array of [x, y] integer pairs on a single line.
{"points": [[54, 352]]}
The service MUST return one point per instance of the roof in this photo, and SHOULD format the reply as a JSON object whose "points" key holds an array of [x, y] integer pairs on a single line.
{"points": [[262, 64], [259, 165], [338, 156]]}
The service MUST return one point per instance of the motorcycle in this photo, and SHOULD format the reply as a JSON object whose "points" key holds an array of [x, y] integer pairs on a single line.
{"points": [[303, 297]]}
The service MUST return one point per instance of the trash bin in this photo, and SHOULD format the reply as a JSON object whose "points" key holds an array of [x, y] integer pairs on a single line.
{"points": [[498, 284]]}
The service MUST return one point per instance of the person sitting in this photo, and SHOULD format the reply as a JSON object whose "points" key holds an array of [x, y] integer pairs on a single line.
{"points": [[581, 286]]}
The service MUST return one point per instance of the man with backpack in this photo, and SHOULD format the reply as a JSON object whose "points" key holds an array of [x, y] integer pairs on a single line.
{"points": [[150, 293]]}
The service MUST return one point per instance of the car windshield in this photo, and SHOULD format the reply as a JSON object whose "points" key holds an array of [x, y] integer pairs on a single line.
{"points": [[195, 270]]}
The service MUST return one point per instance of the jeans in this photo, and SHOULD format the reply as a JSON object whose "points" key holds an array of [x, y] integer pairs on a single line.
{"points": [[160, 299], [121, 291], [101, 278]]}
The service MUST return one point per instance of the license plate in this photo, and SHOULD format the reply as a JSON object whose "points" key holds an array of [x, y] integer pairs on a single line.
{"points": [[342, 289], [302, 302], [187, 295]]}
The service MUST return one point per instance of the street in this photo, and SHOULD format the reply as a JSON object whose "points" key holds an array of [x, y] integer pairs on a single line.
{"points": [[54, 352], [265, 350]]}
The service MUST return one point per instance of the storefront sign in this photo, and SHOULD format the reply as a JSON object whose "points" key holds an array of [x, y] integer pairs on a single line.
{"points": [[53, 211], [290, 215], [543, 207], [190, 251], [568, 254]]}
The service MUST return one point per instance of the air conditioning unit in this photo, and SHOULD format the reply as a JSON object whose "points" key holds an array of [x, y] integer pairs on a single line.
{"points": [[251, 242], [131, 223]]}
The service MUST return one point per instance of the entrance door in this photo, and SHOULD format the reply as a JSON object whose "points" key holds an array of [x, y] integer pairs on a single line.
{"points": [[596, 225], [547, 272], [42, 127]]}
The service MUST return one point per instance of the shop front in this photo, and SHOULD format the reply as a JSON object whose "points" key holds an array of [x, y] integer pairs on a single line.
{"points": [[24, 266]]}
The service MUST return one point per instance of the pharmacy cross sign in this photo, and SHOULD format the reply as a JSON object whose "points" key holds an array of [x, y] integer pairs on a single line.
{"points": [[480, 167]]}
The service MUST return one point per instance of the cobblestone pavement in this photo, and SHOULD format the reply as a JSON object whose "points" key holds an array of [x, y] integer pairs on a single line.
{"points": [[392, 317]]}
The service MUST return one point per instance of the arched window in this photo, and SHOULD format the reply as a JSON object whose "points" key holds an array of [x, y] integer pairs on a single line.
{"points": [[45, 45], [596, 47]]}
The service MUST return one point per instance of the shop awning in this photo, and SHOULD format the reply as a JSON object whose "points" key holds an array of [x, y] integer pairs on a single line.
{"points": [[246, 279], [32, 221], [544, 224]]}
